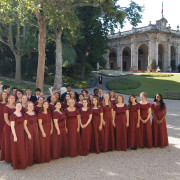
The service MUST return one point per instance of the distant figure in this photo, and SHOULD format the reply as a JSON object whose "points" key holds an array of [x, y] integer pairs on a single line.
{"points": [[100, 80], [158, 69], [1, 86], [91, 81]]}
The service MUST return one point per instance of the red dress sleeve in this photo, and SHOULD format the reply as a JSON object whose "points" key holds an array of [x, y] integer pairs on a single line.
{"points": [[6, 109], [114, 108], [12, 117], [165, 106], [26, 116], [152, 106], [40, 115], [101, 110], [126, 107], [77, 111], [55, 115], [90, 111]]}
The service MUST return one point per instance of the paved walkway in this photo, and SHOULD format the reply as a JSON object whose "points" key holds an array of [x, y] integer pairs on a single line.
{"points": [[155, 163]]}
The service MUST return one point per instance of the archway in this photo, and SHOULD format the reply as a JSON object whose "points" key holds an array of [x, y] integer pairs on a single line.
{"points": [[126, 59], [112, 60], [143, 57], [160, 56]]}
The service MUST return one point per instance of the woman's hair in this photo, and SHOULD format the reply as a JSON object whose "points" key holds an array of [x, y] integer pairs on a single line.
{"points": [[161, 101], [129, 101], [9, 97], [61, 109], [95, 97], [65, 101], [29, 102], [1, 99], [114, 94], [109, 102], [87, 100], [58, 94], [143, 94], [48, 110], [18, 102], [121, 97]]}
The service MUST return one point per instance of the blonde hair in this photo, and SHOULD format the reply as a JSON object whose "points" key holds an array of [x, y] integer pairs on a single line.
{"points": [[109, 102], [121, 97], [143, 94]]}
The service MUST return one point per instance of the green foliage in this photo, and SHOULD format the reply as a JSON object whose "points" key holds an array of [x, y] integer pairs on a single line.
{"points": [[152, 64]]}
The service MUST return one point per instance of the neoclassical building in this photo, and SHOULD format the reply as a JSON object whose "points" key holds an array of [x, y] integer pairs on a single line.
{"points": [[135, 48]]}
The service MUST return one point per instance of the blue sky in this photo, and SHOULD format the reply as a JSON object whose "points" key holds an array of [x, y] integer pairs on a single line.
{"points": [[152, 12]]}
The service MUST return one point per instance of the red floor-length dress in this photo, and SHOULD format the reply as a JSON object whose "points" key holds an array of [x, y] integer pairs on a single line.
{"points": [[59, 142], [146, 128], [5, 143], [2, 122], [121, 127], [32, 145], [160, 135], [109, 140], [134, 133], [18, 153], [86, 133], [74, 139], [45, 142], [97, 136]]}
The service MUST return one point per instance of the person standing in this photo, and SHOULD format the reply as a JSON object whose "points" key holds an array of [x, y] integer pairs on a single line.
{"points": [[38, 107], [159, 129], [46, 130], [100, 80], [59, 136], [73, 127], [3, 102], [86, 128], [109, 143], [31, 135], [5, 144], [134, 136], [121, 122], [91, 82], [18, 154], [145, 125], [29, 95]]}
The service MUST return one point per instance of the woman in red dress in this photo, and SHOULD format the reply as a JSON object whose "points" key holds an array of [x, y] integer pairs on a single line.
{"points": [[113, 97], [79, 104], [65, 104], [97, 129], [86, 128], [3, 102], [121, 122], [51, 104], [24, 101], [38, 107], [18, 154], [145, 125], [19, 94], [73, 126], [109, 143], [46, 129], [134, 136], [159, 129], [5, 144], [59, 136], [31, 136]]}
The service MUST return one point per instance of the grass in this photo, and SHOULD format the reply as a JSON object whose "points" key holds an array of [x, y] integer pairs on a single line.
{"points": [[151, 85]]}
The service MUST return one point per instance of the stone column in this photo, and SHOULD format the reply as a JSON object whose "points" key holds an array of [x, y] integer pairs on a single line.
{"points": [[168, 58], [132, 54], [178, 55], [121, 61], [149, 52], [118, 57], [156, 52], [106, 57]]}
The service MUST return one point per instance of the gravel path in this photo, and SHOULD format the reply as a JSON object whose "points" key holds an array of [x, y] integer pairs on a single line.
{"points": [[155, 163]]}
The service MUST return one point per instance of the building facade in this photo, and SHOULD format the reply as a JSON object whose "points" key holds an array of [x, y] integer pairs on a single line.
{"points": [[133, 50]]}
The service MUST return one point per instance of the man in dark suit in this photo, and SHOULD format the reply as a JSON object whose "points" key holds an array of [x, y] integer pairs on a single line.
{"points": [[100, 80], [37, 94], [68, 87], [29, 95]]}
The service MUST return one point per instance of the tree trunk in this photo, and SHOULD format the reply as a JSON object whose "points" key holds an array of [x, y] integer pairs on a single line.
{"points": [[41, 52], [83, 61], [59, 60], [18, 68]]}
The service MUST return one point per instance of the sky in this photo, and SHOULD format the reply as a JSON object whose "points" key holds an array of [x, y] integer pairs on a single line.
{"points": [[152, 12]]}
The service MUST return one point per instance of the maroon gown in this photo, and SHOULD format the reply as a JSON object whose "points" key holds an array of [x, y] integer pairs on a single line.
{"points": [[160, 135], [109, 141], [2, 122], [32, 145], [146, 128], [5, 144], [37, 109], [134, 133], [113, 102], [45, 142], [121, 127], [59, 142], [64, 106], [23, 110], [97, 136], [18, 154], [86, 133], [74, 139]]}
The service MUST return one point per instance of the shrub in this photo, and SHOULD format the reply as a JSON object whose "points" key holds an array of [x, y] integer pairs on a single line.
{"points": [[152, 64]]}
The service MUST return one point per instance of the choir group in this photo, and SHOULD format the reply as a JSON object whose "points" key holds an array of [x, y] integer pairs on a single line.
{"points": [[35, 130]]}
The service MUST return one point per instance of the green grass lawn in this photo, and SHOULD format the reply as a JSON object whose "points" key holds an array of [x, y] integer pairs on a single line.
{"points": [[151, 85]]}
